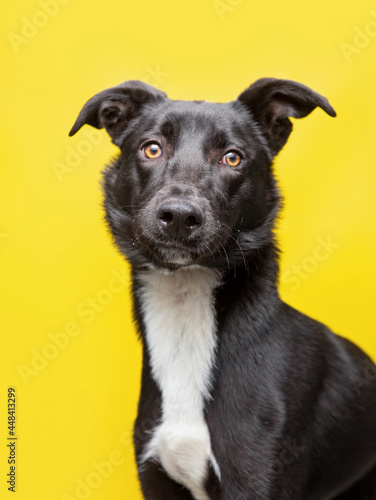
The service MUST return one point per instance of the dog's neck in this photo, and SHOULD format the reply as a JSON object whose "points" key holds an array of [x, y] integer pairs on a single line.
{"points": [[251, 290], [180, 333], [179, 318]]}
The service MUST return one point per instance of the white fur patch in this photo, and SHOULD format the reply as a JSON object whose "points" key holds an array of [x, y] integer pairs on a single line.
{"points": [[178, 311]]}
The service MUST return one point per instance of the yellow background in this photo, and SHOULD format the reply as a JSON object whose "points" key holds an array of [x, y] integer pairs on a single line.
{"points": [[76, 411]]}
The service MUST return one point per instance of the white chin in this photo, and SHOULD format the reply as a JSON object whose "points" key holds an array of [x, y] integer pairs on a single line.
{"points": [[178, 257]]}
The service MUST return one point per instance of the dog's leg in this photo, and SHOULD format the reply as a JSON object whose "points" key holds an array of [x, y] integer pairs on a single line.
{"points": [[365, 489], [157, 485]]}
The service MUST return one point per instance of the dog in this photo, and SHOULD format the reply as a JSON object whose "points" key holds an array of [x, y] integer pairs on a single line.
{"points": [[242, 397]]}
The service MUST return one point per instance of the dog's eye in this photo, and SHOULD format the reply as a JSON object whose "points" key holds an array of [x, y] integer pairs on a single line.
{"points": [[232, 159], [151, 150]]}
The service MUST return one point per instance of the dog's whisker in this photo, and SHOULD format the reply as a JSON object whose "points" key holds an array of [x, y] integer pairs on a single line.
{"points": [[228, 262]]}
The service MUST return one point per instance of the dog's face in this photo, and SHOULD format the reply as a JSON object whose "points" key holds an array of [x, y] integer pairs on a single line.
{"points": [[193, 182]]}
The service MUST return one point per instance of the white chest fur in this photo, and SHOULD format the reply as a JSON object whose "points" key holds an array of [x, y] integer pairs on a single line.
{"points": [[178, 311]]}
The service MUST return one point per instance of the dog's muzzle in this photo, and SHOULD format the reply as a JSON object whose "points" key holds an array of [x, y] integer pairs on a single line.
{"points": [[179, 228]]}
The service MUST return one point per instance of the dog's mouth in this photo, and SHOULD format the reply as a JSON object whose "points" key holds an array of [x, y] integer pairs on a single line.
{"points": [[180, 254]]}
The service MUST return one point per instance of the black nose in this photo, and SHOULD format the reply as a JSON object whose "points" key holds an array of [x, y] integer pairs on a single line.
{"points": [[179, 218]]}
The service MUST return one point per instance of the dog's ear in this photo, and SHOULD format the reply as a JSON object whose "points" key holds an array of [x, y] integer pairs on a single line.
{"points": [[272, 101], [115, 107]]}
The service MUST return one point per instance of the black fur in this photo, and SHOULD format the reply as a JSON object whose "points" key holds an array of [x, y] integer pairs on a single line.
{"points": [[293, 408]]}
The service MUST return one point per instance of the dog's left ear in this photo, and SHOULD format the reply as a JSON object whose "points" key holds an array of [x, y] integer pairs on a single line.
{"points": [[115, 107], [272, 101]]}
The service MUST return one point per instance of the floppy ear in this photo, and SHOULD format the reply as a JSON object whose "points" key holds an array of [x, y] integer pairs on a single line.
{"points": [[272, 101], [115, 107]]}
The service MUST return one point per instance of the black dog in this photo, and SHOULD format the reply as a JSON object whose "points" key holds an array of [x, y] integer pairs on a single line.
{"points": [[242, 396]]}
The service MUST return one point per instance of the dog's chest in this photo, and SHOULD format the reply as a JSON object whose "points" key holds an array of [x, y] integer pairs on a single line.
{"points": [[179, 316]]}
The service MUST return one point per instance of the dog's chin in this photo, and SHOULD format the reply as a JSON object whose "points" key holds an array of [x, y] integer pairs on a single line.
{"points": [[176, 257], [172, 255], [175, 254]]}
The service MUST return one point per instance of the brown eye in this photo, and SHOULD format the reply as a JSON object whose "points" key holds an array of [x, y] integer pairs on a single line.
{"points": [[151, 150], [232, 159]]}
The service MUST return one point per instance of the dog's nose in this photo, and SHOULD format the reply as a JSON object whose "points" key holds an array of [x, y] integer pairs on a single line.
{"points": [[179, 218]]}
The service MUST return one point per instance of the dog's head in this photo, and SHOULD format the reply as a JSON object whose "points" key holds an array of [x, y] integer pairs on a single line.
{"points": [[193, 183]]}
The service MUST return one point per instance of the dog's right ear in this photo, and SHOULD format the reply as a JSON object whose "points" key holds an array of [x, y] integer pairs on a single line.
{"points": [[115, 107]]}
